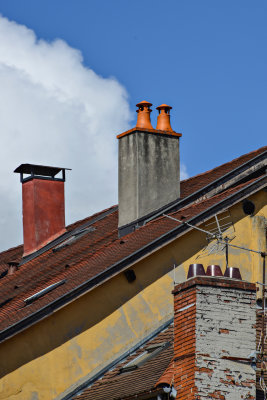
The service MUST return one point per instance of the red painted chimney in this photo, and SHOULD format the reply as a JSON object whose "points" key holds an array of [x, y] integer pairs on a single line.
{"points": [[43, 205]]}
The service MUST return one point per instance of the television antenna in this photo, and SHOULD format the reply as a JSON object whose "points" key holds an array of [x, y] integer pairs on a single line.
{"points": [[226, 241], [221, 226]]}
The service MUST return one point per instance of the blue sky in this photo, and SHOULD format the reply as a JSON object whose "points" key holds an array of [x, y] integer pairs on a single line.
{"points": [[207, 59]]}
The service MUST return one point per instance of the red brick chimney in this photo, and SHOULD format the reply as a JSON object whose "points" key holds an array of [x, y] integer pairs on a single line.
{"points": [[43, 205], [214, 336]]}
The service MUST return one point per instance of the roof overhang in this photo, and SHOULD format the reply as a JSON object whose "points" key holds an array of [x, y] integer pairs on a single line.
{"points": [[136, 256]]}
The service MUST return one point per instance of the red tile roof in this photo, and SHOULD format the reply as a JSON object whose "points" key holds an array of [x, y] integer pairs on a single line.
{"points": [[167, 376], [195, 183], [93, 253], [149, 377], [144, 379]]}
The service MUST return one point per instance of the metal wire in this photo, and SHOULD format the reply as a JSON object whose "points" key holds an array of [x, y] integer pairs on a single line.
{"points": [[192, 226], [224, 241]]}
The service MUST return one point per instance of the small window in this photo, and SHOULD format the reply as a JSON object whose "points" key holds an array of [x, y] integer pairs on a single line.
{"points": [[150, 352], [73, 238], [43, 292]]}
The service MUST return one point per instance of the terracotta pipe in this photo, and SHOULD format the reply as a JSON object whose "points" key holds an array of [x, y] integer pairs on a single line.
{"points": [[143, 115], [163, 123]]}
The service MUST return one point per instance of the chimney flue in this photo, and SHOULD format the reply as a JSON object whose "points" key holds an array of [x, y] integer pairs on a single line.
{"points": [[43, 205], [163, 122], [143, 115]]}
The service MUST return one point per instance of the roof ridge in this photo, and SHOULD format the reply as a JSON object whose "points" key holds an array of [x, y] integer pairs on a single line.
{"points": [[184, 181], [164, 379], [218, 195], [226, 163], [112, 260], [89, 217], [10, 249], [228, 191], [68, 227], [194, 205]]}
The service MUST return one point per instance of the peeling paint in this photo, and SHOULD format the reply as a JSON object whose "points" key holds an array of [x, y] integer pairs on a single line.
{"points": [[101, 321], [35, 396]]}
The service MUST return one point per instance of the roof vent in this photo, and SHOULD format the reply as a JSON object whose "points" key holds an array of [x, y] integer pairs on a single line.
{"points": [[195, 270], [232, 272], [214, 270]]}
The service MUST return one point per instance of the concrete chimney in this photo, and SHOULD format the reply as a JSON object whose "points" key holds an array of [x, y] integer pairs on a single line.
{"points": [[214, 338], [43, 205], [149, 168]]}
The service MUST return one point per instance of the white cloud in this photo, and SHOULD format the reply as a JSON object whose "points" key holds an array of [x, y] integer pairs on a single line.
{"points": [[183, 172], [55, 111]]}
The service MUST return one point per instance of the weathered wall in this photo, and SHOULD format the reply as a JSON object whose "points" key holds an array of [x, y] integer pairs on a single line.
{"points": [[247, 231], [74, 343], [225, 327], [214, 319], [43, 212], [149, 174]]}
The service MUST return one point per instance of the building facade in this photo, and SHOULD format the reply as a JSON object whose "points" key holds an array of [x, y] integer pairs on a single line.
{"points": [[77, 301]]}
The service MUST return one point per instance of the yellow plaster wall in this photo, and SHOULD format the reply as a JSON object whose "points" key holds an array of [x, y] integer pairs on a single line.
{"points": [[249, 232], [73, 344]]}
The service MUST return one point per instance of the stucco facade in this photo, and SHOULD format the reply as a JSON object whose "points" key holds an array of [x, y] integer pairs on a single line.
{"points": [[50, 358]]}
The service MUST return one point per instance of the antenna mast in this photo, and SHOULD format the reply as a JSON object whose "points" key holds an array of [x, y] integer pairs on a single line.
{"points": [[225, 241]]}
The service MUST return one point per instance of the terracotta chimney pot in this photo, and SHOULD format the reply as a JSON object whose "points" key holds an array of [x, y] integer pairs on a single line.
{"points": [[143, 115], [163, 123], [149, 171]]}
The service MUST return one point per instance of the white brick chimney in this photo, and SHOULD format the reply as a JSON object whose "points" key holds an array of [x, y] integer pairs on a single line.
{"points": [[214, 336]]}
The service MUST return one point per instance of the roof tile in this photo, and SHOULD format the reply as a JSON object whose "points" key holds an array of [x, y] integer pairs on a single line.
{"points": [[92, 253], [115, 385]]}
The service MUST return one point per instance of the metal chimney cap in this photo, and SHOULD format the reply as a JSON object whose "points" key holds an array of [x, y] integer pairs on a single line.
{"points": [[40, 171]]}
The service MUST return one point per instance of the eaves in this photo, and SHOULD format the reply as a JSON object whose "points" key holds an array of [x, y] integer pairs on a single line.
{"points": [[126, 262], [224, 182], [237, 175]]}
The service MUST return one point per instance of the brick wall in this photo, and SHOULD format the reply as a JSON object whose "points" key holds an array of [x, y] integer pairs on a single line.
{"points": [[260, 393], [185, 343], [215, 332]]}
